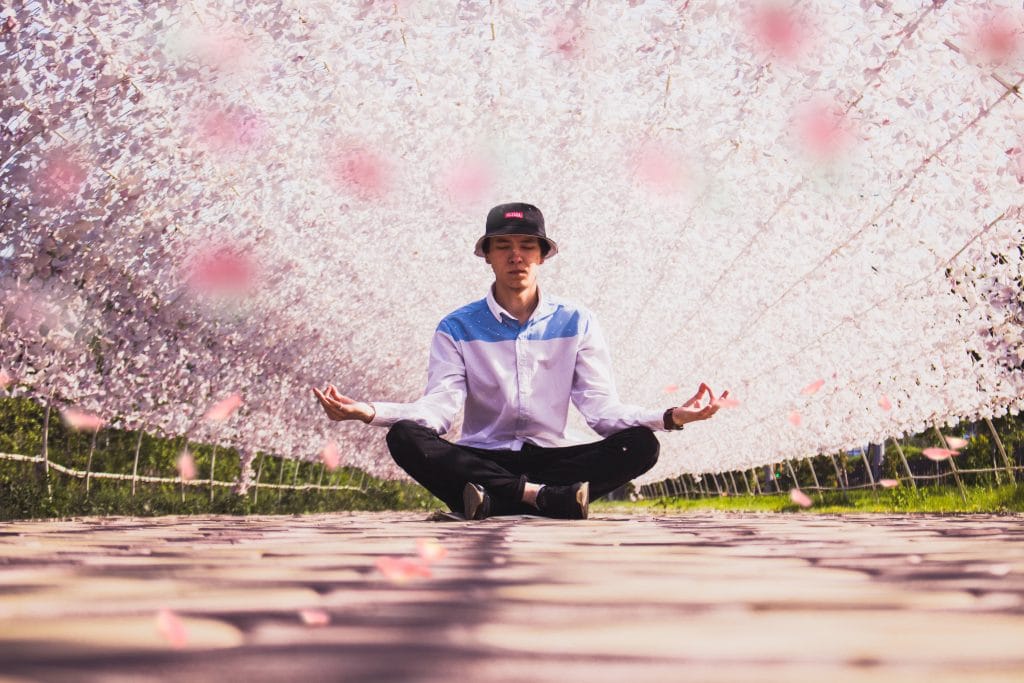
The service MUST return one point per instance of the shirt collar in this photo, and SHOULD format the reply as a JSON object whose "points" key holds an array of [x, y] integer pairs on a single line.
{"points": [[497, 310]]}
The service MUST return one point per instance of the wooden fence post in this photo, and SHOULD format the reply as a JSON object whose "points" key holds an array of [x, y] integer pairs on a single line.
{"points": [[259, 473], [952, 465], [1002, 451], [814, 475], [213, 466], [280, 478], [88, 467], [135, 463], [906, 465], [792, 474], [46, 447]]}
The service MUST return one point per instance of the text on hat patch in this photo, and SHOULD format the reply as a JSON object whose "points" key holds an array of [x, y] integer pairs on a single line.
{"points": [[513, 214]]}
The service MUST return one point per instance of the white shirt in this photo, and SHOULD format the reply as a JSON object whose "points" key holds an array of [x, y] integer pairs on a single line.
{"points": [[515, 381]]}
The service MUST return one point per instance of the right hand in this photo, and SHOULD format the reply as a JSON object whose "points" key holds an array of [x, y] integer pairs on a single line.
{"points": [[339, 407]]}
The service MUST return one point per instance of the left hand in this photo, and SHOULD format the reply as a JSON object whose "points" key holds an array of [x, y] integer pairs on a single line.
{"points": [[692, 411]]}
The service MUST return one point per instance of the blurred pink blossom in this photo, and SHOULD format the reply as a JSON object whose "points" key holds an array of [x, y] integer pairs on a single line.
{"points": [[813, 387], [171, 628], [402, 570], [231, 129], [469, 180], [61, 178], [671, 388], [823, 129], [330, 456], [780, 29], [725, 402], [223, 409], [81, 420], [889, 483], [430, 549], [314, 617], [939, 453], [5, 379], [884, 403], [800, 498], [659, 169], [361, 171], [225, 270], [955, 442], [186, 466], [997, 37], [795, 419]]}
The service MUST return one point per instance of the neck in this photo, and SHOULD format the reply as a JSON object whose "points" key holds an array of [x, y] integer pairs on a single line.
{"points": [[519, 302]]}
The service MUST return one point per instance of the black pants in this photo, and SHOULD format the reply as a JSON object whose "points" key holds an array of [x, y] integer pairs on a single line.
{"points": [[443, 468]]}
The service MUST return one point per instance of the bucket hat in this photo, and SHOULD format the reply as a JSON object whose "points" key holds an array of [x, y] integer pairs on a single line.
{"points": [[516, 218]]}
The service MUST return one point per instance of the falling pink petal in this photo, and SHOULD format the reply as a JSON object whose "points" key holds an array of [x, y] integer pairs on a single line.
{"points": [[430, 549], [800, 498], [361, 171], [80, 420], [61, 178], [469, 181], [223, 409], [939, 453], [11, 23], [402, 570], [186, 466], [224, 48], [813, 387], [658, 169], [1000, 569], [823, 129], [222, 270], [230, 129], [314, 617], [889, 483], [997, 37], [914, 559], [884, 403], [330, 456], [726, 402], [795, 419], [780, 30], [671, 388], [171, 628], [5, 379], [955, 442]]}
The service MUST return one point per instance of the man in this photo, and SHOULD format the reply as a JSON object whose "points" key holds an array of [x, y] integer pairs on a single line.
{"points": [[514, 360]]}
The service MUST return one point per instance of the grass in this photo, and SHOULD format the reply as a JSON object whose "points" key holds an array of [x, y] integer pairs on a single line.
{"points": [[1007, 499]]}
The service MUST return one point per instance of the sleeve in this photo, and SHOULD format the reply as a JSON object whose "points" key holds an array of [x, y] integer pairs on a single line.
{"points": [[445, 393], [593, 388]]}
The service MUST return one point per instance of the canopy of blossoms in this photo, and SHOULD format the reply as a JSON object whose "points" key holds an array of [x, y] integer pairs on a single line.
{"points": [[817, 206]]}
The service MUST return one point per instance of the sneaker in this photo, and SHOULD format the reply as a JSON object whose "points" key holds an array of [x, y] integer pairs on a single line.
{"points": [[476, 504], [564, 502]]}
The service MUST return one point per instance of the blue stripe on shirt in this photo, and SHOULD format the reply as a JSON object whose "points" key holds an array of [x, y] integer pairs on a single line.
{"points": [[474, 322]]}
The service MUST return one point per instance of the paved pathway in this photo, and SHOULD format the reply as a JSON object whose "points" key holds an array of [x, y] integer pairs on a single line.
{"points": [[701, 597]]}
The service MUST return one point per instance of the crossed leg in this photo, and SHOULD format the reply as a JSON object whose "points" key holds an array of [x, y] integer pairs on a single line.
{"points": [[444, 468]]}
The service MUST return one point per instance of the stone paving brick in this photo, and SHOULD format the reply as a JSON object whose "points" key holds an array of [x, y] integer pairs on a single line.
{"points": [[701, 597]]}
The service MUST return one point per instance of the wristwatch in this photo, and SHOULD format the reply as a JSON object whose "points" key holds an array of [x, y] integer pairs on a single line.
{"points": [[670, 423]]}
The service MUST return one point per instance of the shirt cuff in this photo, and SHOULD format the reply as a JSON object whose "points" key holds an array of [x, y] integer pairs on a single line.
{"points": [[386, 414], [654, 420]]}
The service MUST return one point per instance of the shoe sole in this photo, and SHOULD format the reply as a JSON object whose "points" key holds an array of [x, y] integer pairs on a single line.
{"points": [[472, 499], [583, 499]]}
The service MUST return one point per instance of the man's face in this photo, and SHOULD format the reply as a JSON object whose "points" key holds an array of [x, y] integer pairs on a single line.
{"points": [[515, 260]]}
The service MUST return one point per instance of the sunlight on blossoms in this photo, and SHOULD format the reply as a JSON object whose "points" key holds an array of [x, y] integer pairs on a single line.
{"points": [[208, 200]]}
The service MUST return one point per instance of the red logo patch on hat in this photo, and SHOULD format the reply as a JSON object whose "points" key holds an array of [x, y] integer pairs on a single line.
{"points": [[513, 214]]}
